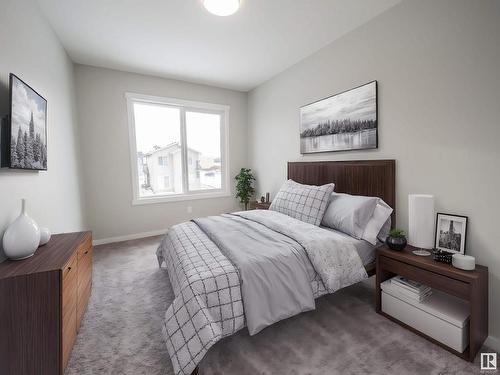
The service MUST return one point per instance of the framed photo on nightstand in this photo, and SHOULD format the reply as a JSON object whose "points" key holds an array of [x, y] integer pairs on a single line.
{"points": [[451, 232]]}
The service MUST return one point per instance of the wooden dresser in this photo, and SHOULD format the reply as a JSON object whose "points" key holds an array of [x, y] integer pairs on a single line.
{"points": [[42, 302]]}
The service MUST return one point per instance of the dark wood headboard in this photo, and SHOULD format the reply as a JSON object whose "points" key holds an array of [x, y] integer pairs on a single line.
{"points": [[376, 178]]}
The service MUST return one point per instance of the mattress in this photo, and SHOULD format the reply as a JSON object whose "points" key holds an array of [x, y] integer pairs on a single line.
{"points": [[365, 250]]}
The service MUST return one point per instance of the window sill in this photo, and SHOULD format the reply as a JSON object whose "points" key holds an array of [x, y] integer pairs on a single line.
{"points": [[180, 198]]}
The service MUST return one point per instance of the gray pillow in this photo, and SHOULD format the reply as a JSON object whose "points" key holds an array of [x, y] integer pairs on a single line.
{"points": [[373, 229], [384, 232], [303, 202], [349, 213]]}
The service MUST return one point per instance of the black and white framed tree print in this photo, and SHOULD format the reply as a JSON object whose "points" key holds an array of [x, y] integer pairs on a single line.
{"points": [[28, 127], [345, 121], [451, 232]]}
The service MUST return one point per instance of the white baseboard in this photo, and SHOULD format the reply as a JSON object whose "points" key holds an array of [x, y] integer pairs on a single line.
{"points": [[493, 343], [127, 237]]}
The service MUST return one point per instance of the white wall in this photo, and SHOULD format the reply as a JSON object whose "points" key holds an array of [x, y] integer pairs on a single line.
{"points": [[438, 68], [105, 150], [30, 49]]}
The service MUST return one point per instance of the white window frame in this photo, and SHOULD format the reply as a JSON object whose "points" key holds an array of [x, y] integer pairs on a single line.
{"points": [[162, 160], [183, 105]]}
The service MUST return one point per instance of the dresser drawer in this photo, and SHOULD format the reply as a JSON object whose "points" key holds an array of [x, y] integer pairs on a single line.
{"points": [[85, 268], [85, 247], [83, 299], [84, 282], [69, 301], [70, 266]]}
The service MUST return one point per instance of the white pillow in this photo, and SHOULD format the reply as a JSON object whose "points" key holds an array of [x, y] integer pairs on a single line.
{"points": [[380, 216], [303, 202], [349, 213]]}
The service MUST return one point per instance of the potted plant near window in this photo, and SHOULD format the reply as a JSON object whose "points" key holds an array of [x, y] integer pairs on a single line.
{"points": [[244, 188], [396, 240]]}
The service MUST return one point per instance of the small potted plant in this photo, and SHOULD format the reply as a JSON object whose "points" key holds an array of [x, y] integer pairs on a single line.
{"points": [[244, 188], [396, 240]]}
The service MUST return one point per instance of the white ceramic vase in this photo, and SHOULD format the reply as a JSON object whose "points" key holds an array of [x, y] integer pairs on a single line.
{"points": [[22, 237], [44, 235]]}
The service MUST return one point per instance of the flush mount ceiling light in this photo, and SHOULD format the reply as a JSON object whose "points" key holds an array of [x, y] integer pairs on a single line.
{"points": [[222, 7]]}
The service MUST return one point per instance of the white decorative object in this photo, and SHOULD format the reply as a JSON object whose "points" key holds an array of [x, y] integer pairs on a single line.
{"points": [[422, 253], [22, 237], [421, 221], [44, 236], [464, 262]]}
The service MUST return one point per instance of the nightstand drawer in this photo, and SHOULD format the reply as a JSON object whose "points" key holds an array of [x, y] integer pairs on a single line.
{"points": [[440, 330], [434, 280]]}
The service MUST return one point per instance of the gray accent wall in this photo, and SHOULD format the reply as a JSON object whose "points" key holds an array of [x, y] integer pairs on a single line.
{"points": [[438, 69], [30, 49]]}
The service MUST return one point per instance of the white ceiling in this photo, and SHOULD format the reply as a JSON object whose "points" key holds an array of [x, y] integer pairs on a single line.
{"points": [[180, 39]]}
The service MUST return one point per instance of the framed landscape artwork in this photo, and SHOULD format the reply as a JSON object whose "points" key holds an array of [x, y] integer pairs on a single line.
{"points": [[342, 122], [28, 127], [451, 232]]}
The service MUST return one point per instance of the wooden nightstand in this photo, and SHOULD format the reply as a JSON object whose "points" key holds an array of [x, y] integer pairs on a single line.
{"points": [[471, 286], [259, 205]]}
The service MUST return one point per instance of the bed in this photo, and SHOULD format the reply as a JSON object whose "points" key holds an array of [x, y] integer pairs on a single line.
{"points": [[251, 269]]}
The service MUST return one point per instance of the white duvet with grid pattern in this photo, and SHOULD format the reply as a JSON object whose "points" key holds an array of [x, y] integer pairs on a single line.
{"points": [[208, 305]]}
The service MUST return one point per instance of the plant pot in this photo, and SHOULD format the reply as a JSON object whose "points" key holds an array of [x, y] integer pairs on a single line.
{"points": [[396, 243]]}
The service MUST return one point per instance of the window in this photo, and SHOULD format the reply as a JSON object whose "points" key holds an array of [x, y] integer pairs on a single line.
{"points": [[178, 149], [166, 181], [162, 160]]}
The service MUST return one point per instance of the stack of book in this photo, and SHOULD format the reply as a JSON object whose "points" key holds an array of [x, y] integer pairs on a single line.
{"points": [[407, 289]]}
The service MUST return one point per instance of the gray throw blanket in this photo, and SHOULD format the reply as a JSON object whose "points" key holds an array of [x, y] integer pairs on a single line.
{"points": [[333, 258], [275, 283]]}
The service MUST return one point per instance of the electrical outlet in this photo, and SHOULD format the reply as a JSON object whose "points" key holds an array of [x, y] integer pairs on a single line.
{"points": [[189, 209]]}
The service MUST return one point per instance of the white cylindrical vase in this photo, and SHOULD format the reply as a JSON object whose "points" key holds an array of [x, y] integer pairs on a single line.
{"points": [[421, 221], [22, 237]]}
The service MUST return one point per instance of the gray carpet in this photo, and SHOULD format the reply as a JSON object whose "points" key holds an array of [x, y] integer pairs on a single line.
{"points": [[121, 331]]}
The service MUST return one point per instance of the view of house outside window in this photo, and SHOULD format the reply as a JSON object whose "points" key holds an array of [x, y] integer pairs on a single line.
{"points": [[203, 138], [178, 149]]}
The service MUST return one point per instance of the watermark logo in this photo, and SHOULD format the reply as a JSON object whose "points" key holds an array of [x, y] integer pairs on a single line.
{"points": [[488, 361]]}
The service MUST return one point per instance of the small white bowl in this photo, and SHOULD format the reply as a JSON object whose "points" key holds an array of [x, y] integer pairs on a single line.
{"points": [[44, 236]]}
